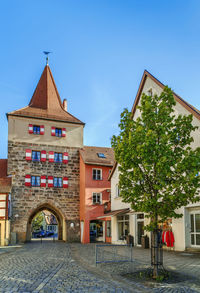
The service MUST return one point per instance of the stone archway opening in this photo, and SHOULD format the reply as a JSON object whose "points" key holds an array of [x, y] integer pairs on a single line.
{"points": [[52, 210]]}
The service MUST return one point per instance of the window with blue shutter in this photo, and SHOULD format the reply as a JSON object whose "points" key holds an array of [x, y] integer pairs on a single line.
{"points": [[57, 181], [35, 180], [35, 156], [58, 132], [58, 157], [36, 129]]}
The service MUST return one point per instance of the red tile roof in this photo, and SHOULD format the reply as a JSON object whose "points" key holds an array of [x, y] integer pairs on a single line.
{"points": [[89, 155], [46, 102]]}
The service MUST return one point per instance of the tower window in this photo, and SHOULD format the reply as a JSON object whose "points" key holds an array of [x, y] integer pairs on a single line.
{"points": [[35, 156], [36, 129], [35, 180], [58, 157], [57, 181], [58, 132]]}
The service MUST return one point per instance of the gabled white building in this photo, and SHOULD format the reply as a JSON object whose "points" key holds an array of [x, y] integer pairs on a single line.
{"points": [[186, 230]]}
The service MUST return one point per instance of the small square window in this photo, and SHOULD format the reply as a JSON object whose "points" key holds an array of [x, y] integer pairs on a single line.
{"points": [[36, 129]]}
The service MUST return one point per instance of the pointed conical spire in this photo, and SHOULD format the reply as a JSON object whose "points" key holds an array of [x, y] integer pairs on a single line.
{"points": [[45, 102], [46, 95]]}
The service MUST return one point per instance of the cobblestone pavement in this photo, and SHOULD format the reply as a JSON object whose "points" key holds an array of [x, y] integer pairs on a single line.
{"points": [[185, 266], [60, 267], [49, 267]]}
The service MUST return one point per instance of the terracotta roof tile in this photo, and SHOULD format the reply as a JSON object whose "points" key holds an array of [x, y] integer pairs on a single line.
{"points": [[46, 102], [89, 155]]}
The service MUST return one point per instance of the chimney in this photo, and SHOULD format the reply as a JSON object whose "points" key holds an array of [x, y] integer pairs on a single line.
{"points": [[65, 104]]}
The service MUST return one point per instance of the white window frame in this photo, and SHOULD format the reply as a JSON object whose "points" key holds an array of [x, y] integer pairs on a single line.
{"points": [[96, 193], [96, 176], [117, 191]]}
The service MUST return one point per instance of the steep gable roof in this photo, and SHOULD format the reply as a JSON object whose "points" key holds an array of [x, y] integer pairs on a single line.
{"points": [[45, 102], [90, 156], [177, 98]]}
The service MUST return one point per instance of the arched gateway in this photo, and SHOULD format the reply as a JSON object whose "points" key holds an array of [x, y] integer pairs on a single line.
{"points": [[59, 217], [43, 158]]}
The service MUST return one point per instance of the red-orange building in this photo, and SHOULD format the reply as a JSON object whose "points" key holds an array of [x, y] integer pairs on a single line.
{"points": [[95, 165]]}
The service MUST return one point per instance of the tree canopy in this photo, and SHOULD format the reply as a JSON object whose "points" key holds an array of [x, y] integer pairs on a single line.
{"points": [[159, 169]]}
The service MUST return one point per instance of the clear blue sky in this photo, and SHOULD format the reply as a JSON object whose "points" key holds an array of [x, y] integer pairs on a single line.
{"points": [[100, 50]]}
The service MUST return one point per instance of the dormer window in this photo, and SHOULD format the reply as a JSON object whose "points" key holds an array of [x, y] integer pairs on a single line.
{"points": [[101, 155]]}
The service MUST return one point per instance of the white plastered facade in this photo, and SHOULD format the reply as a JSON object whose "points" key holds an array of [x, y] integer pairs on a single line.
{"points": [[181, 227]]}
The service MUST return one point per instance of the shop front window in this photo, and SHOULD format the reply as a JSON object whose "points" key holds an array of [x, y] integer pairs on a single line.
{"points": [[123, 226]]}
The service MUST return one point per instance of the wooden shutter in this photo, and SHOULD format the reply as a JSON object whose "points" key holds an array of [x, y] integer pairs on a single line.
{"points": [[28, 155], [50, 181], [65, 158], [65, 182], [51, 156], [53, 131], [42, 129], [43, 181], [63, 132], [43, 156], [28, 180], [30, 128]]}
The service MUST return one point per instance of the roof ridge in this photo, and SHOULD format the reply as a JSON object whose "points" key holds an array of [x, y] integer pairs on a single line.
{"points": [[184, 103]]}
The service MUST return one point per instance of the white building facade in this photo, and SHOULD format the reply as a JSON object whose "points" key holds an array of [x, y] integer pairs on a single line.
{"points": [[186, 230]]}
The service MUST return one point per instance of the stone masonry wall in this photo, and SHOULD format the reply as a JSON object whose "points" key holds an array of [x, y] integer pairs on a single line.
{"points": [[26, 199]]}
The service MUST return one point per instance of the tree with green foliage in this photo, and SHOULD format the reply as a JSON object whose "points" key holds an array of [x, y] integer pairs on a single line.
{"points": [[37, 221], [157, 164]]}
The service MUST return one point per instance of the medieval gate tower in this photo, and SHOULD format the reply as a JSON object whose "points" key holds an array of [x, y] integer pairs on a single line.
{"points": [[43, 159]]}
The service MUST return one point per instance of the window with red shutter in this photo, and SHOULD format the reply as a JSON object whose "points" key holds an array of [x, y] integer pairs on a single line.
{"points": [[65, 158], [65, 182], [53, 131], [51, 156], [28, 180], [43, 156], [50, 181], [28, 155], [30, 128], [63, 132], [42, 129], [43, 181]]}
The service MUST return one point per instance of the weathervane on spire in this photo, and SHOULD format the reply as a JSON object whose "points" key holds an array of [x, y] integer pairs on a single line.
{"points": [[47, 57]]}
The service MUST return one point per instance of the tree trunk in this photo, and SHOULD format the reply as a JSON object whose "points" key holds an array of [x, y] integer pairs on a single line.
{"points": [[155, 256]]}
